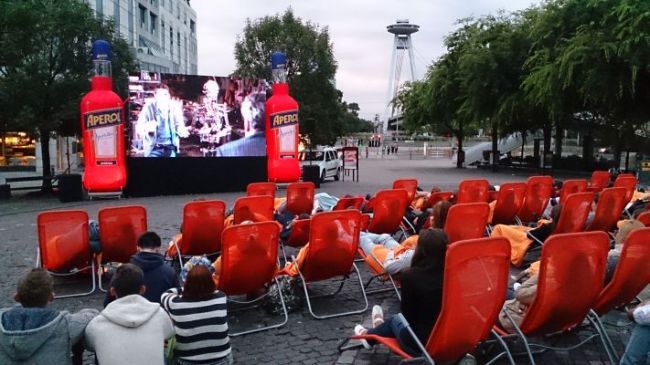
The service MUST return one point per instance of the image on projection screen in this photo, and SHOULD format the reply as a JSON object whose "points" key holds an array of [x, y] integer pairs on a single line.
{"points": [[174, 115]]}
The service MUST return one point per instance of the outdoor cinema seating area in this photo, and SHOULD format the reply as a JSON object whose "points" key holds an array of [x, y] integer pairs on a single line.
{"points": [[569, 241]]}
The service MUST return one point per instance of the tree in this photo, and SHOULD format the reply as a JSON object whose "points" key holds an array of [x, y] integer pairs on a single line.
{"points": [[310, 64], [45, 64]]}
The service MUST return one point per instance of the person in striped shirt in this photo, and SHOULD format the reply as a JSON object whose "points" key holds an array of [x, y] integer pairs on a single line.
{"points": [[200, 319]]}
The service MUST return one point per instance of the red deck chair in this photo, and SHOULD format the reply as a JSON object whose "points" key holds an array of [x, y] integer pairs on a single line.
{"points": [[473, 191], [509, 200], [570, 279], [298, 237], [201, 229], [631, 275], [629, 183], [599, 180], [538, 192], [466, 221], [333, 244], [261, 188], [611, 203], [119, 229], [626, 174], [253, 208], [438, 197], [388, 209], [63, 248], [644, 218], [475, 282], [249, 262], [346, 203], [410, 185], [300, 197], [572, 187], [575, 211]]}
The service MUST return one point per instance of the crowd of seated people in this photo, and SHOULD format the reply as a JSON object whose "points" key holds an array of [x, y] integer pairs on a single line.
{"points": [[146, 303]]}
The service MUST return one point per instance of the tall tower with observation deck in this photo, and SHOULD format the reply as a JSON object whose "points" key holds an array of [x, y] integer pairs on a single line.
{"points": [[402, 45]]}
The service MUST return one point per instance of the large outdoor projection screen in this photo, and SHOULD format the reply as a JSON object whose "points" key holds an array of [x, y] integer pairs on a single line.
{"points": [[189, 134], [174, 115]]}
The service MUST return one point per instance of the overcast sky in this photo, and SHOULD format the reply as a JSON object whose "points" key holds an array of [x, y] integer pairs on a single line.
{"points": [[357, 28]]}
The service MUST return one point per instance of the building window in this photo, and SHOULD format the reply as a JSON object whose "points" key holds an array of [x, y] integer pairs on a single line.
{"points": [[171, 42], [143, 16], [192, 26], [153, 18], [162, 34], [179, 46], [99, 8], [178, 11]]}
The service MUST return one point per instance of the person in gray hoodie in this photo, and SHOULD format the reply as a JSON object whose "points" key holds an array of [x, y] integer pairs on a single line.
{"points": [[32, 333], [131, 329]]}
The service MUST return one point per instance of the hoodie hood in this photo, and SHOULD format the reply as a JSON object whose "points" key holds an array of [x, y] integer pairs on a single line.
{"points": [[24, 330], [148, 261], [131, 311]]}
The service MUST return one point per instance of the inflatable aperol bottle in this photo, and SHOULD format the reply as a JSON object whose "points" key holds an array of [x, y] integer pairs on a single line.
{"points": [[102, 128], [281, 126]]}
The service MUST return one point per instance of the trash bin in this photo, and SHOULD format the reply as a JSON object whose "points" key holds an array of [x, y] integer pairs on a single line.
{"points": [[5, 191], [70, 188], [311, 173]]}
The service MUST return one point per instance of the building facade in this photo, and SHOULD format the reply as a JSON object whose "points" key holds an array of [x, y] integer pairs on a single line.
{"points": [[162, 33]]}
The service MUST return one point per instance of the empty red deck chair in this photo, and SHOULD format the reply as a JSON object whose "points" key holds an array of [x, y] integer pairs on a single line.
{"points": [[571, 276], [253, 208], [473, 191], [261, 188], [538, 191], [438, 196], [201, 228], [466, 221], [300, 197], [119, 230], [599, 180], [611, 203], [333, 244], [629, 183], [475, 283], [63, 244], [626, 174], [509, 200], [351, 202], [572, 187], [410, 185], [389, 207], [249, 262], [644, 218]]}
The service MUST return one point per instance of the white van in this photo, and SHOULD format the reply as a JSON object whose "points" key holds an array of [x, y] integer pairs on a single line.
{"points": [[326, 159]]}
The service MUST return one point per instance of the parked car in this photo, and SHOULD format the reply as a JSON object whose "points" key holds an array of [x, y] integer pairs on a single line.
{"points": [[326, 159]]}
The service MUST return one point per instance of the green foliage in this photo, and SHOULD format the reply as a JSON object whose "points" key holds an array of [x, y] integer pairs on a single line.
{"points": [[311, 70], [45, 64], [583, 64]]}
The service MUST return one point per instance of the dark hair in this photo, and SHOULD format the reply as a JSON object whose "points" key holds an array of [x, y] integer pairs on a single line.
{"points": [[596, 197], [199, 284], [35, 289], [439, 214], [430, 250], [128, 279], [163, 86], [149, 240], [303, 216]]}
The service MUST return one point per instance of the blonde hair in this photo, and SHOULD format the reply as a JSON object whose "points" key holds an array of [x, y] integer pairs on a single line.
{"points": [[626, 228]]}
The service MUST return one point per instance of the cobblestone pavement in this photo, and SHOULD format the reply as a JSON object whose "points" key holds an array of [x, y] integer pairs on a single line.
{"points": [[304, 340]]}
